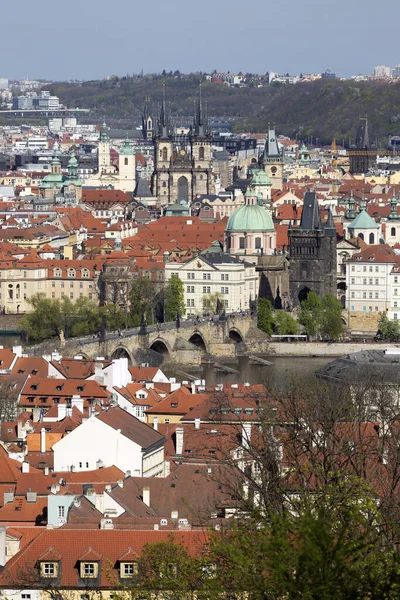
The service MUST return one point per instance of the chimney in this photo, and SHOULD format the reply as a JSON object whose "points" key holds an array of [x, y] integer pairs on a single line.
{"points": [[43, 440], [146, 496], [2, 546], [77, 401], [62, 412], [31, 497], [197, 423], [25, 467], [155, 423], [179, 441], [46, 470]]}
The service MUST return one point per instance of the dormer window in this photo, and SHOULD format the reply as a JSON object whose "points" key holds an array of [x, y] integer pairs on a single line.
{"points": [[89, 570], [49, 569], [128, 569], [89, 563], [49, 563]]}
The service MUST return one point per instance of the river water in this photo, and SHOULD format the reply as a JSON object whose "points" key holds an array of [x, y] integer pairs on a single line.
{"points": [[280, 373]]}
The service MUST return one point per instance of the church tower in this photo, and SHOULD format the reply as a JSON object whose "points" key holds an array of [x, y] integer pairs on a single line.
{"points": [[147, 121], [127, 179], [272, 160], [163, 154], [201, 149], [104, 160], [312, 253]]}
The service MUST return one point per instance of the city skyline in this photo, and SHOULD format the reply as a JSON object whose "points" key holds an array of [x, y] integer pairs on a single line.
{"points": [[290, 37]]}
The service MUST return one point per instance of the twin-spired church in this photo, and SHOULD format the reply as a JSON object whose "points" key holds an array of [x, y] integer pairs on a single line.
{"points": [[181, 174]]}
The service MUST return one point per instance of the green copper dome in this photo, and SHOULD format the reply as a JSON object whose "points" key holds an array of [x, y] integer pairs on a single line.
{"points": [[260, 178], [127, 149], [250, 218]]}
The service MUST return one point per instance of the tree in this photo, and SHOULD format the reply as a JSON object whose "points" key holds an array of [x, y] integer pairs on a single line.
{"points": [[310, 313], [331, 317], [166, 571], [45, 320], [264, 316], [143, 300], [284, 323], [390, 330], [174, 298], [211, 301]]}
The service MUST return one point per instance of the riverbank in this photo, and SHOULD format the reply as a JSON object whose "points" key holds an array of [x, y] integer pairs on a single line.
{"points": [[323, 349]]}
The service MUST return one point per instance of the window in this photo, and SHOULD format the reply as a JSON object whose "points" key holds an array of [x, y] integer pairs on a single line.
{"points": [[395, 316], [49, 569], [129, 569], [206, 275], [206, 289], [89, 569], [376, 269], [364, 281], [190, 275], [396, 279], [352, 294], [201, 153], [371, 269], [126, 162], [393, 231], [85, 273], [376, 294], [166, 421], [353, 268], [226, 303], [71, 273], [224, 277], [258, 243], [395, 304], [376, 281], [353, 280], [165, 154], [224, 290], [364, 268], [190, 289], [242, 243], [61, 512], [364, 294]]}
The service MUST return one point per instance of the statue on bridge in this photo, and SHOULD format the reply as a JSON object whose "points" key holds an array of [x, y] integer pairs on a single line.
{"points": [[143, 325]]}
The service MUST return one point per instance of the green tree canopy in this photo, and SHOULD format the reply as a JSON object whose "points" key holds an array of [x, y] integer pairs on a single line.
{"points": [[174, 298], [265, 320], [143, 300], [45, 320], [310, 313], [390, 330], [284, 323]]}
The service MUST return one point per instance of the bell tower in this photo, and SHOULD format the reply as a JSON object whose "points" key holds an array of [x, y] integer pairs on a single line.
{"points": [[163, 155], [200, 142], [272, 159]]}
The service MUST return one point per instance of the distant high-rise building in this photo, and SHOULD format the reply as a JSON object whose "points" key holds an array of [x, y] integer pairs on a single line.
{"points": [[382, 71], [3, 83], [396, 71]]}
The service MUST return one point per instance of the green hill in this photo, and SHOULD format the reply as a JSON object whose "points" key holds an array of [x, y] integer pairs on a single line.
{"points": [[323, 109]]}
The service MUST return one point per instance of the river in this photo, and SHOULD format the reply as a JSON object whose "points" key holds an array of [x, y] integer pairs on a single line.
{"points": [[282, 370]]}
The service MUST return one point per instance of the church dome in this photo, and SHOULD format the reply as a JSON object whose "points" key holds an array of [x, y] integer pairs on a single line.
{"points": [[260, 178], [250, 218]]}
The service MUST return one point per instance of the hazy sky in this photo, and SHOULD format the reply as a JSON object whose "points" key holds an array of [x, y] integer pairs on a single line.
{"points": [[90, 39]]}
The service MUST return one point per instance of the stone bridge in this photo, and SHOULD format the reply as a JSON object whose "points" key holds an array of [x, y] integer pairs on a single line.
{"points": [[189, 344]]}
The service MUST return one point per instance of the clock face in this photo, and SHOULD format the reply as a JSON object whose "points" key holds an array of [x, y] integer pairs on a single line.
{"points": [[182, 152]]}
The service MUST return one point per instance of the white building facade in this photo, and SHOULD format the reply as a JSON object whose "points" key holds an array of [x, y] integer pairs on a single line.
{"points": [[235, 282]]}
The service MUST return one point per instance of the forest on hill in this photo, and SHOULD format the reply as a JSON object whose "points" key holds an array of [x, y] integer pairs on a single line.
{"points": [[323, 109]]}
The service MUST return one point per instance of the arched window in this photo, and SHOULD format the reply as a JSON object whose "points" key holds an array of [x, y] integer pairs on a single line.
{"points": [[85, 273], [258, 243], [126, 162], [371, 238], [361, 236], [164, 184], [71, 272], [201, 153], [164, 154], [183, 189], [393, 232]]}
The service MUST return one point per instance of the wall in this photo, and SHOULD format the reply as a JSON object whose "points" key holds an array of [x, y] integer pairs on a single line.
{"points": [[94, 440], [321, 348]]}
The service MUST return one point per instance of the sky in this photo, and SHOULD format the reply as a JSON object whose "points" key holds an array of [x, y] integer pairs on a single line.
{"points": [[91, 39]]}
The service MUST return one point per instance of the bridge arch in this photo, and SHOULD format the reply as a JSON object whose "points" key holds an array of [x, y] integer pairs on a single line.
{"points": [[161, 346], [236, 336], [197, 340], [122, 352]]}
